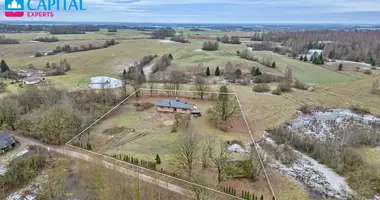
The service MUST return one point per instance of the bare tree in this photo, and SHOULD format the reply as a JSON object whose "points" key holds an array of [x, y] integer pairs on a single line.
{"points": [[9, 112], [200, 85], [288, 73], [136, 77], [186, 153], [219, 157], [376, 86], [225, 108], [151, 82], [174, 81]]}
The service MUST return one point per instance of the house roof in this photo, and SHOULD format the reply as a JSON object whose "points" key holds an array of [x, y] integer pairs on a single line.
{"points": [[32, 79], [174, 103], [6, 140]]}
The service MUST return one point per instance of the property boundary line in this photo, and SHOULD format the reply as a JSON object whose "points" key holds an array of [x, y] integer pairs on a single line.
{"points": [[166, 175]]}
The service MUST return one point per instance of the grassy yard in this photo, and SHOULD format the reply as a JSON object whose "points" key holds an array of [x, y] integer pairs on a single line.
{"points": [[303, 71]]}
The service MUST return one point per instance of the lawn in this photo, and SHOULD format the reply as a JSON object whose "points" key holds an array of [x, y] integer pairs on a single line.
{"points": [[303, 71]]}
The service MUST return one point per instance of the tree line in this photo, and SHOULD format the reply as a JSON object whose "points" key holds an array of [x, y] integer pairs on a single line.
{"points": [[68, 49], [4, 40], [228, 40], [72, 29], [46, 39], [163, 32]]}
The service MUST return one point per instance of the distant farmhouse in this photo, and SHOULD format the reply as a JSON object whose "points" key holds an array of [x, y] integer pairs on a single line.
{"points": [[313, 52], [31, 80], [175, 105], [6, 141]]}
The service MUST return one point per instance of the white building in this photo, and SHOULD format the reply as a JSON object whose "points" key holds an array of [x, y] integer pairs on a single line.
{"points": [[31, 80]]}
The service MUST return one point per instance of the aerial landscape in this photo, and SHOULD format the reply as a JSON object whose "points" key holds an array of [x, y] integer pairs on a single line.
{"points": [[268, 108]]}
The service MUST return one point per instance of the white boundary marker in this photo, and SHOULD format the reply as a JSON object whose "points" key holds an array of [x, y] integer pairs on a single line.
{"points": [[162, 174]]}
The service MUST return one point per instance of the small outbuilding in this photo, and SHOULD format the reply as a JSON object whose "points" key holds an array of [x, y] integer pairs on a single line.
{"points": [[6, 141], [31, 80], [175, 105]]}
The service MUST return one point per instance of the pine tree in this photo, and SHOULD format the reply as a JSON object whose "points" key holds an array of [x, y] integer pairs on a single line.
{"points": [[320, 59], [217, 71], [124, 74], [253, 71], [305, 58], [274, 64], [262, 197], [301, 58], [89, 146], [3, 66], [312, 58], [273, 198], [158, 160], [340, 68], [208, 71], [238, 73], [315, 60], [372, 61], [258, 72]]}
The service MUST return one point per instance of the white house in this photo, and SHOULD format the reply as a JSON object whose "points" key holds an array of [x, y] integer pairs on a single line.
{"points": [[313, 52], [31, 80]]}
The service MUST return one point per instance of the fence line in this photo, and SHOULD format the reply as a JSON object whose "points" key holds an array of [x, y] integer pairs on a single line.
{"points": [[166, 175], [96, 121], [257, 150]]}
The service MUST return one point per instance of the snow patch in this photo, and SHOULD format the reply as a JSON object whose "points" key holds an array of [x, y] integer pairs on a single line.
{"points": [[197, 50], [168, 41], [237, 148], [100, 82], [4, 168]]}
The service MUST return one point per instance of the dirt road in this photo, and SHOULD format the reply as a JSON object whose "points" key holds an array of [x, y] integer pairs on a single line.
{"points": [[67, 151]]}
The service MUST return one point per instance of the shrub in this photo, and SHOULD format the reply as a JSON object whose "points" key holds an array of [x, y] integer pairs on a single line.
{"points": [[267, 78], [284, 86], [368, 72], [210, 46], [38, 54], [276, 91], [360, 110], [373, 68], [299, 85], [143, 106], [262, 87], [357, 69]]}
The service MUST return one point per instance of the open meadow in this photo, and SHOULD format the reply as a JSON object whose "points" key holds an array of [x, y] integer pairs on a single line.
{"points": [[144, 133]]}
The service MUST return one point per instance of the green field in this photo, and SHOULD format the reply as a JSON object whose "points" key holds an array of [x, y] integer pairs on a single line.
{"points": [[305, 72]]}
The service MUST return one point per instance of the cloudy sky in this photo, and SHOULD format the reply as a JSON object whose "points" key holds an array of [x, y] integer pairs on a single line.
{"points": [[223, 11]]}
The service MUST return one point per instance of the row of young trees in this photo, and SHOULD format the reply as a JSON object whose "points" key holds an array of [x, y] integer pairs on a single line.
{"points": [[4, 40], [68, 49], [210, 46], [46, 39], [228, 40], [315, 59]]}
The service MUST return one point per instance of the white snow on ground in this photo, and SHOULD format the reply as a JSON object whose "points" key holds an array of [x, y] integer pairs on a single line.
{"points": [[4, 168], [168, 41], [198, 50], [236, 148], [362, 64], [99, 82], [319, 119], [148, 69]]}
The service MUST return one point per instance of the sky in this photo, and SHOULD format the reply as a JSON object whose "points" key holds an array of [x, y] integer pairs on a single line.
{"points": [[220, 11]]}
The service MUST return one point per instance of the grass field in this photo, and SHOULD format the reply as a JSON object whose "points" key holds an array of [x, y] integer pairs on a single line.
{"points": [[305, 72]]}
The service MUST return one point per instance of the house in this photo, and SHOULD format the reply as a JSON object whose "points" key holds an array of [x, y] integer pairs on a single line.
{"points": [[175, 105], [6, 141], [313, 53], [31, 80]]}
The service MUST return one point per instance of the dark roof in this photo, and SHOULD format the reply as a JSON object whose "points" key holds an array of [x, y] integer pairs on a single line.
{"points": [[6, 140], [174, 103]]}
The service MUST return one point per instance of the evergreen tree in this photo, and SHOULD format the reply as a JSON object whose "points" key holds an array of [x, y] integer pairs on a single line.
{"points": [[262, 197], [372, 61], [253, 71], [170, 56], [274, 64], [340, 68], [312, 58], [124, 74], [158, 160], [258, 72], [217, 71], [89, 146], [357, 59], [315, 60], [208, 71], [320, 59], [3, 66], [238, 73], [305, 58], [301, 58]]}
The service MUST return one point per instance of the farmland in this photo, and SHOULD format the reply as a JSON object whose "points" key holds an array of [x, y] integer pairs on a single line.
{"points": [[148, 133]]}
